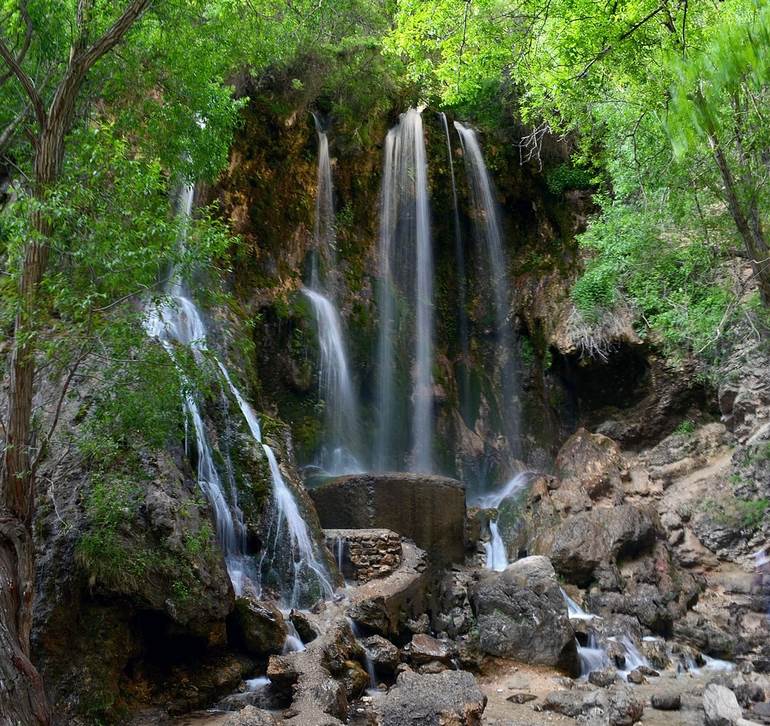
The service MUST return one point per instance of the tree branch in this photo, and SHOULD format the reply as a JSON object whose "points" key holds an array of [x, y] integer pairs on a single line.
{"points": [[29, 87], [25, 43]]}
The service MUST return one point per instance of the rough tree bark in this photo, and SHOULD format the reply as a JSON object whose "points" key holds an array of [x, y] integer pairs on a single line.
{"points": [[22, 697]]}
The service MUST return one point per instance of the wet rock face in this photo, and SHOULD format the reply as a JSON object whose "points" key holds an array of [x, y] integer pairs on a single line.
{"points": [[450, 697], [521, 615], [428, 509]]}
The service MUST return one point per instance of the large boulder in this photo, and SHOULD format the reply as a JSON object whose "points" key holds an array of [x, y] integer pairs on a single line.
{"points": [[258, 626], [580, 544], [521, 615], [592, 460], [721, 706], [451, 697], [428, 509]]}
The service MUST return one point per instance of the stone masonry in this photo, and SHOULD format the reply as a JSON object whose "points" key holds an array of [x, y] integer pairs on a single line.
{"points": [[364, 554]]}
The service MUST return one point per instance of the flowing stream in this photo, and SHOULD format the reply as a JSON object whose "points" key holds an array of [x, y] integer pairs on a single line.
{"points": [[406, 280]]}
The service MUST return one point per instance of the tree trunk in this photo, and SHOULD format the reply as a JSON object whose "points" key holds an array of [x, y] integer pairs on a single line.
{"points": [[22, 698], [756, 246]]}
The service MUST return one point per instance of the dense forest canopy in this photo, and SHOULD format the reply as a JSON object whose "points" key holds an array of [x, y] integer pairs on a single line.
{"points": [[108, 107]]}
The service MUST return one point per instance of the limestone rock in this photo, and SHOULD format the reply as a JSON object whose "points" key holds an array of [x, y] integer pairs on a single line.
{"points": [[603, 677], [521, 615], [452, 698]]}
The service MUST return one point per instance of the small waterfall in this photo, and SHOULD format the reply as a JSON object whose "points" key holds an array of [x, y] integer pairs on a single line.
{"points": [[339, 455], [178, 320], [324, 234], [490, 235], [293, 643], [368, 662], [406, 266], [496, 555], [574, 610], [512, 489], [592, 656], [462, 313]]}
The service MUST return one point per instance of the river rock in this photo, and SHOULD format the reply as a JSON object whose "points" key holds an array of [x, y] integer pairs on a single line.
{"points": [[624, 709], [721, 706], [604, 677], [666, 701], [451, 697], [258, 626], [521, 615]]}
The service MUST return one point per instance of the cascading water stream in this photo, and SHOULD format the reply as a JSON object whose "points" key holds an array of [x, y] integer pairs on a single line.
{"points": [[489, 232], [462, 313], [178, 320], [342, 438], [512, 488], [494, 550], [406, 266]]}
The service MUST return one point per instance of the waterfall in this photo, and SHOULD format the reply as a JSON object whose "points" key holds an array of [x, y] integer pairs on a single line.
{"points": [[406, 266], [177, 320], [342, 448], [592, 656], [336, 391], [496, 556], [462, 313], [324, 235], [574, 611], [513, 488], [489, 233]]}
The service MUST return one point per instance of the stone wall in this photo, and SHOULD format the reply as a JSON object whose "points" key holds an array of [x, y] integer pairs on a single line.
{"points": [[364, 554], [428, 509]]}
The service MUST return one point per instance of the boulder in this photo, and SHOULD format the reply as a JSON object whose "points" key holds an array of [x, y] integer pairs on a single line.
{"points": [[451, 697], [428, 509], [721, 706], [584, 541], [592, 460], [623, 708], [604, 677], [521, 615], [258, 626], [424, 649], [382, 653]]}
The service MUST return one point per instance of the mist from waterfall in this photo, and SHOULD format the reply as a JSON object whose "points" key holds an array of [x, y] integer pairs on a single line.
{"points": [[178, 320], [488, 228], [406, 276]]}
